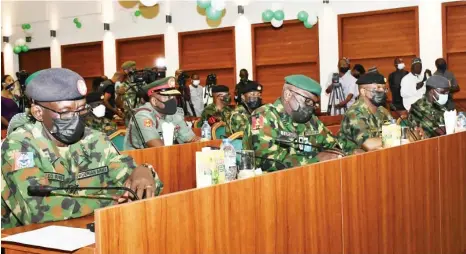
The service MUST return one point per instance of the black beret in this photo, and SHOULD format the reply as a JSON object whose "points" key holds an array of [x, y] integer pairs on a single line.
{"points": [[220, 89], [94, 97], [56, 84], [371, 78], [251, 86], [438, 82]]}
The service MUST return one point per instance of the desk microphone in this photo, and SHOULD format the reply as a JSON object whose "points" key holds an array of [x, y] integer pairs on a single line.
{"points": [[293, 142], [46, 190], [393, 108]]}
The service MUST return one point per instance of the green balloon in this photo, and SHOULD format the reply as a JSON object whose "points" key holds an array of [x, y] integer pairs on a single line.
{"points": [[213, 14], [204, 4], [279, 15], [267, 15], [303, 15], [137, 13], [79, 25], [23, 26], [75, 20], [28, 26], [25, 48], [17, 49], [307, 25]]}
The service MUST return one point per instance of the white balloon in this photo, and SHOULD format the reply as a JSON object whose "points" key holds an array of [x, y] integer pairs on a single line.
{"points": [[218, 5], [277, 23], [149, 3], [312, 19], [20, 42]]}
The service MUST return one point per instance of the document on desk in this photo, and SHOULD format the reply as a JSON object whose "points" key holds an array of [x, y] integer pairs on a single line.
{"points": [[55, 237]]}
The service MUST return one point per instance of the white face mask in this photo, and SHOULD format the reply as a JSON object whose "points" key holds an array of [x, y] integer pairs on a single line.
{"points": [[401, 66], [99, 111], [196, 82], [442, 98]]}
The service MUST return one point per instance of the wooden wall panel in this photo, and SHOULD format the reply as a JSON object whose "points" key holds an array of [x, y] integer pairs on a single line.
{"points": [[291, 49], [454, 42], [35, 60], [3, 64], [453, 192], [392, 206], [143, 50], [375, 38]]}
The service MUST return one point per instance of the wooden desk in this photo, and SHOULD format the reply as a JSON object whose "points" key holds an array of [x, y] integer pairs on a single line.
{"points": [[13, 248]]}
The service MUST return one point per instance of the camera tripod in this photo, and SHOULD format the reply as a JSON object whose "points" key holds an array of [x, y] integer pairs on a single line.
{"points": [[336, 95]]}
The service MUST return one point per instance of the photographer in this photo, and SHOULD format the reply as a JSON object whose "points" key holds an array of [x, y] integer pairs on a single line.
{"points": [[9, 100], [127, 95], [207, 95], [183, 101], [347, 84], [244, 79], [107, 89]]}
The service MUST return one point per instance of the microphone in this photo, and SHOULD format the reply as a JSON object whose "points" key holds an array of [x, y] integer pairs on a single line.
{"points": [[393, 108], [46, 190], [293, 142]]}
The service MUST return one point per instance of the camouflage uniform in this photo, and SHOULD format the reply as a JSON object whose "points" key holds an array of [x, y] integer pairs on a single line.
{"points": [[101, 124], [359, 124], [429, 116], [30, 158], [239, 119], [271, 121], [129, 98], [224, 115]]}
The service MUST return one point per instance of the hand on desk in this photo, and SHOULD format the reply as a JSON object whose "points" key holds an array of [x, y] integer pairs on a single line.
{"points": [[141, 179], [325, 156], [372, 144]]}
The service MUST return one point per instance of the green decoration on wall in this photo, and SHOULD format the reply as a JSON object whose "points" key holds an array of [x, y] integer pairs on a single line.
{"points": [[17, 49], [75, 20], [307, 25], [302, 16], [79, 25], [267, 15], [25, 48], [203, 3], [137, 13], [279, 15]]}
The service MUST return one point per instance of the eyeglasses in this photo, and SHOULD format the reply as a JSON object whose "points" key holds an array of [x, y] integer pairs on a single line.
{"points": [[308, 101], [378, 89], [70, 114]]}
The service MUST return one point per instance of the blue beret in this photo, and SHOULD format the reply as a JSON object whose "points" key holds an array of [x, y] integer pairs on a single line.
{"points": [[56, 84]]}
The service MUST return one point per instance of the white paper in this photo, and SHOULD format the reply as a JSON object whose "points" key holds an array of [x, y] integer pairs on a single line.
{"points": [[55, 237], [450, 121], [168, 130]]}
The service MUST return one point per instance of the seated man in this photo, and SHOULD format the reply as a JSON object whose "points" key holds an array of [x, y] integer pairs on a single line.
{"points": [[427, 112], [287, 133], [59, 151], [362, 124], [145, 128], [220, 109], [251, 99]]}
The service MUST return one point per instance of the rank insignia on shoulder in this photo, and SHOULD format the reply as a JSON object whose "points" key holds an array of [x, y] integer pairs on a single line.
{"points": [[148, 123], [257, 122], [24, 160]]}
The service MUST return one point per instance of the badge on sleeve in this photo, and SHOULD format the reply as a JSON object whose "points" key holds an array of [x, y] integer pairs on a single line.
{"points": [[148, 123], [257, 122], [24, 160]]}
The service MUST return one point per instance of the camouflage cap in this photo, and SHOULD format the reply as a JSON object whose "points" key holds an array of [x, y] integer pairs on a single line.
{"points": [[250, 87], [128, 64], [437, 81], [220, 89], [372, 77], [56, 84], [305, 83], [165, 86]]}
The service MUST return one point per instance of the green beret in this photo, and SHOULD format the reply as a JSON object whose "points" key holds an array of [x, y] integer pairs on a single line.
{"points": [[128, 64], [305, 83], [250, 87], [165, 86], [31, 77], [56, 84], [371, 78], [438, 82]]}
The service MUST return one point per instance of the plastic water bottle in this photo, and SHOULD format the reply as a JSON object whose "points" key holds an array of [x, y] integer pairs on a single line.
{"points": [[206, 131], [461, 121], [230, 160]]}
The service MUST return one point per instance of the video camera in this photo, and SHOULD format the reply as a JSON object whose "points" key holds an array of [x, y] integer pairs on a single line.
{"points": [[182, 79], [22, 76], [336, 80], [211, 79], [147, 76]]}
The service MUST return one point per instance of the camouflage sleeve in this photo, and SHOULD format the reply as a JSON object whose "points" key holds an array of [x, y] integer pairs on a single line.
{"points": [[184, 134], [352, 132], [226, 115], [325, 138], [205, 114], [262, 139], [238, 122]]}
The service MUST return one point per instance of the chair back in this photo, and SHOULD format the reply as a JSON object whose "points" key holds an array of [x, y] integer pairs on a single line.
{"points": [[219, 131], [118, 139]]}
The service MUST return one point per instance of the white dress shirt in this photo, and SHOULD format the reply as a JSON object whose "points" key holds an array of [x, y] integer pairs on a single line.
{"points": [[348, 83], [409, 93]]}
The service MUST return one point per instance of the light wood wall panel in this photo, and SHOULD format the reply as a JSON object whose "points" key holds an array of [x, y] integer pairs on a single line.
{"points": [[143, 50], [34, 60], [277, 53], [454, 42], [376, 38], [209, 51]]}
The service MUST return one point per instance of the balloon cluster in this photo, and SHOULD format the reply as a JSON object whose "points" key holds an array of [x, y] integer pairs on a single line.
{"points": [[275, 17], [77, 23], [149, 3], [308, 20], [26, 26], [20, 46], [213, 8]]}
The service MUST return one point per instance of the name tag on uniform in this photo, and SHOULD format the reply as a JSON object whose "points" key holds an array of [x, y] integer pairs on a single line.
{"points": [[92, 172], [288, 134], [54, 176], [312, 133]]}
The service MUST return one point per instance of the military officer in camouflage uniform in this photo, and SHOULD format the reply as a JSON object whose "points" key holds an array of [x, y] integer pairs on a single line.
{"points": [[362, 124], [287, 133], [128, 93], [220, 109], [251, 99], [58, 150], [428, 111], [161, 107]]}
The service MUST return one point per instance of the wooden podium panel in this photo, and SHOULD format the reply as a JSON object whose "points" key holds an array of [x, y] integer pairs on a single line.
{"points": [[293, 211], [391, 200], [452, 151], [175, 165]]}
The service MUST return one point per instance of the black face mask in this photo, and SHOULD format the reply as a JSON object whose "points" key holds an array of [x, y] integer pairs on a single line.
{"points": [[254, 102], [303, 114], [344, 69], [68, 131], [170, 107], [379, 99], [442, 67]]}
